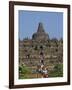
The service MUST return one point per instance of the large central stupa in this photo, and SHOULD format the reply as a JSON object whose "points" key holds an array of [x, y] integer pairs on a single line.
{"points": [[40, 34]]}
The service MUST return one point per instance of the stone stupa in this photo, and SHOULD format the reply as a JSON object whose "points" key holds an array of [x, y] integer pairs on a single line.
{"points": [[40, 34]]}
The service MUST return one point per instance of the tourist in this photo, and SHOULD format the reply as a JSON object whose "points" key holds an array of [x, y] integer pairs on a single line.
{"points": [[44, 72]]}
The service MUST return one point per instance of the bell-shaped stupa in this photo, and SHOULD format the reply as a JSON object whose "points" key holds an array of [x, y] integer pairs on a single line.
{"points": [[40, 34]]}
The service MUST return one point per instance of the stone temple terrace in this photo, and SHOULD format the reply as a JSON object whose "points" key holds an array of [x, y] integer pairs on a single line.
{"points": [[40, 50]]}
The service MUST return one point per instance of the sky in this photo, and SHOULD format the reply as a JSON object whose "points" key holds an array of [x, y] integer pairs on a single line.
{"points": [[29, 20]]}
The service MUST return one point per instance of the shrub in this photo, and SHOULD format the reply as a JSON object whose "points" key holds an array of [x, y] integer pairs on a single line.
{"points": [[57, 71], [24, 70]]}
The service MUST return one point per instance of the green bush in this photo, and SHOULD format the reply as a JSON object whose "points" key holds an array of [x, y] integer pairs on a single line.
{"points": [[57, 71], [24, 70]]}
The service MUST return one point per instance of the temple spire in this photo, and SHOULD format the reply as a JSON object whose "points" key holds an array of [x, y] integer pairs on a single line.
{"points": [[40, 28]]}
